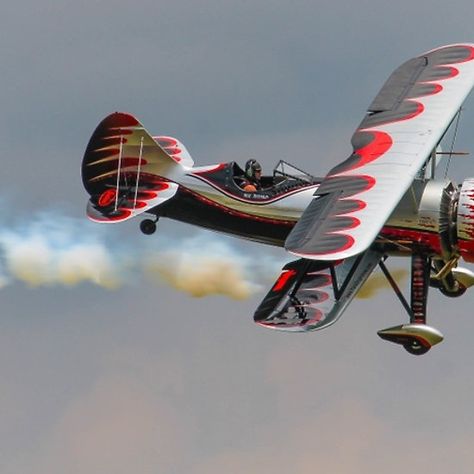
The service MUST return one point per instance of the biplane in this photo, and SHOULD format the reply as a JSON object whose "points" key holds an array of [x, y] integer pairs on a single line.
{"points": [[384, 200]]}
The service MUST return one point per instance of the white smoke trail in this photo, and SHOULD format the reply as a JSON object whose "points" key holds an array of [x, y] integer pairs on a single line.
{"points": [[200, 269], [52, 249]]}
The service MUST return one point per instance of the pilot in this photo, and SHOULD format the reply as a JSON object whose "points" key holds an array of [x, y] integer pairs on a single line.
{"points": [[253, 173]]}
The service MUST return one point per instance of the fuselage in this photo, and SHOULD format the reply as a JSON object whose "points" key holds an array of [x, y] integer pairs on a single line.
{"points": [[210, 197]]}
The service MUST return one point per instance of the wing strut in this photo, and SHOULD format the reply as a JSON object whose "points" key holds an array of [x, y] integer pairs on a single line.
{"points": [[338, 292], [420, 281], [395, 288], [455, 134], [301, 274], [138, 173], [338, 289], [118, 173]]}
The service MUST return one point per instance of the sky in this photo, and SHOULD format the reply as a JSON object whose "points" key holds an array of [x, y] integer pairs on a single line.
{"points": [[109, 363]]}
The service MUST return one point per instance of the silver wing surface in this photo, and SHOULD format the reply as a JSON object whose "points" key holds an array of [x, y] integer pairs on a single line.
{"points": [[312, 294], [403, 124]]}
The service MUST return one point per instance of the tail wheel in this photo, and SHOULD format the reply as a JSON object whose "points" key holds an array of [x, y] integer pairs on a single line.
{"points": [[148, 226]]}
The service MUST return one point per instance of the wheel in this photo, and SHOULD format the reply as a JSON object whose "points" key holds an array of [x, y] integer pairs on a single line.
{"points": [[459, 291], [148, 226], [416, 348]]}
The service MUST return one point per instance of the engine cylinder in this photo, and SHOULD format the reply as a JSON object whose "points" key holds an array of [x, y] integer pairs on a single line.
{"points": [[425, 218], [465, 220]]}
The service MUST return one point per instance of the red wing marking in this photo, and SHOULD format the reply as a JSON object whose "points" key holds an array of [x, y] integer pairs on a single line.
{"points": [[282, 281], [107, 197], [380, 144]]}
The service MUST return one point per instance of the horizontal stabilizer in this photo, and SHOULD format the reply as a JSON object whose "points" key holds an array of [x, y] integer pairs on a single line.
{"points": [[176, 150], [311, 294], [112, 207]]}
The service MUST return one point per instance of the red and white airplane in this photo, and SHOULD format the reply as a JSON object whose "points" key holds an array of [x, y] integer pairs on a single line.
{"points": [[384, 200]]}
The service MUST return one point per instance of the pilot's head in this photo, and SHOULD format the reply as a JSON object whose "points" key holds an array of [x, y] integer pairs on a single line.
{"points": [[253, 170]]}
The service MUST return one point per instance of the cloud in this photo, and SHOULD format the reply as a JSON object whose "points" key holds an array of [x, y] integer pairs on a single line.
{"points": [[117, 426], [348, 439]]}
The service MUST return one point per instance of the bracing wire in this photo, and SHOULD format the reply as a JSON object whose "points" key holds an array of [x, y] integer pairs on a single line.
{"points": [[453, 141]]}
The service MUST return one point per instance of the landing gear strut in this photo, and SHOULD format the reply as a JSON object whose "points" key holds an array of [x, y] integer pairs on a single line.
{"points": [[417, 337], [445, 280], [420, 283], [148, 226]]}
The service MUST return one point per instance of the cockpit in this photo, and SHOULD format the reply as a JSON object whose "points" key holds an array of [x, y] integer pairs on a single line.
{"points": [[283, 178], [230, 178]]}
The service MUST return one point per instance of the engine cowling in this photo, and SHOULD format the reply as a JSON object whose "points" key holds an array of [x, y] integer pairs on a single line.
{"points": [[465, 220], [437, 217]]}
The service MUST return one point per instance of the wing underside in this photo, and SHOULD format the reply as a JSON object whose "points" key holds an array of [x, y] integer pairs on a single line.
{"points": [[311, 294], [403, 125]]}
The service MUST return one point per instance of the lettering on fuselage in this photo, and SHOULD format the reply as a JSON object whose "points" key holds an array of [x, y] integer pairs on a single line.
{"points": [[256, 196]]}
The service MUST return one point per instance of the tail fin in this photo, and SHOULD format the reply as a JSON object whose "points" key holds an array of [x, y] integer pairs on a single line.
{"points": [[126, 171]]}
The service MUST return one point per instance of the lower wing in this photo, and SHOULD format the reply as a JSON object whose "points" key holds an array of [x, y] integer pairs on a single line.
{"points": [[312, 294]]}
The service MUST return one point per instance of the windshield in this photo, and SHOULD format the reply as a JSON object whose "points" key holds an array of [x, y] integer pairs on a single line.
{"points": [[286, 170]]}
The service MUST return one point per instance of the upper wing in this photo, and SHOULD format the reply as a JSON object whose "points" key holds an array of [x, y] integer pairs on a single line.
{"points": [[311, 294], [404, 123]]}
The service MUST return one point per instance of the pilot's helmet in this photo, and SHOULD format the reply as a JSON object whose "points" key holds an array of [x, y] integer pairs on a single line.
{"points": [[251, 167]]}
